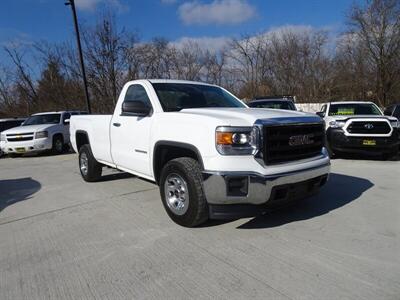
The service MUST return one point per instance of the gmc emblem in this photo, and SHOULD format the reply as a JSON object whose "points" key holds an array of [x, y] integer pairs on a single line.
{"points": [[299, 140]]}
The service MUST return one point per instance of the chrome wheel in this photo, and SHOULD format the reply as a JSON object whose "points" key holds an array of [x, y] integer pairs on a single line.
{"points": [[83, 163], [176, 194]]}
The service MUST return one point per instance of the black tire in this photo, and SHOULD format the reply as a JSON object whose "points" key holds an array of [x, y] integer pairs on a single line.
{"points": [[189, 170], [58, 144], [389, 156], [93, 169], [331, 153]]}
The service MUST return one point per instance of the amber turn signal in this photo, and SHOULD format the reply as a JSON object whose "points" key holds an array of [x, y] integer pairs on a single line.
{"points": [[224, 138]]}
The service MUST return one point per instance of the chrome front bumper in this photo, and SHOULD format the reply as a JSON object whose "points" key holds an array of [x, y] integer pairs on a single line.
{"points": [[35, 145], [259, 187]]}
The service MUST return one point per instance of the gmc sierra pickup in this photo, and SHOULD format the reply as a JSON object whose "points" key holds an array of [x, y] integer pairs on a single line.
{"points": [[211, 155]]}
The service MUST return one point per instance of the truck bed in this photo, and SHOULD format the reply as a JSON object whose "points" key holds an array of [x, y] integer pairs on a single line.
{"points": [[97, 128]]}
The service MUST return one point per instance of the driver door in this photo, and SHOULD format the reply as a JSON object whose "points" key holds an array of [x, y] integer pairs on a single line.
{"points": [[130, 135]]}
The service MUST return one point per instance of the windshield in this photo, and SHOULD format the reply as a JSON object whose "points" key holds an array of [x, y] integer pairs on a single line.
{"points": [[354, 109], [177, 96], [274, 104], [43, 119]]}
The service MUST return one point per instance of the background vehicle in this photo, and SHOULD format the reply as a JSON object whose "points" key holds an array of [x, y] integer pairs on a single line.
{"points": [[9, 123], [210, 155], [393, 111], [40, 132], [359, 127], [273, 102]]}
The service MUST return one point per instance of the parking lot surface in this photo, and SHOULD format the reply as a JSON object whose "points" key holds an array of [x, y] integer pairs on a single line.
{"points": [[63, 238]]}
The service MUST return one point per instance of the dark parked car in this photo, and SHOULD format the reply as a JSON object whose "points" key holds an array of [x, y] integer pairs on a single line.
{"points": [[10, 123], [286, 103], [393, 111]]}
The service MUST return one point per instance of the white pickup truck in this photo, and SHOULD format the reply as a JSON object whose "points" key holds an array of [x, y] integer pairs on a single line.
{"points": [[359, 127], [211, 155]]}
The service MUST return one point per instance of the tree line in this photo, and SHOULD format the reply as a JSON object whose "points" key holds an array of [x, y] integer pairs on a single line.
{"points": [[361, 63]]}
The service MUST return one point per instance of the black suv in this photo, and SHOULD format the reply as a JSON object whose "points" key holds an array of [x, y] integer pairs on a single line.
{"points": [[10, 123], [284, 102]]}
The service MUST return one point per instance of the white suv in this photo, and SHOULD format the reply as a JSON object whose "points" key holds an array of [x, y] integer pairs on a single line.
{"points": [[40, 132]]}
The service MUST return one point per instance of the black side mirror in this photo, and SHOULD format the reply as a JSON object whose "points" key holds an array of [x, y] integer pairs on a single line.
{"points": [[320, 113], [135, 108]]}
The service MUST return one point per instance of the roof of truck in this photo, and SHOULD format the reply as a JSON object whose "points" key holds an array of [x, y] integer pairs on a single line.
{"points": [[351, 102], [177, 81]]}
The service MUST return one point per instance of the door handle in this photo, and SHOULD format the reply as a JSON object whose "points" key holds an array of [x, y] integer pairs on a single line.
{"points": [[116, 124]]}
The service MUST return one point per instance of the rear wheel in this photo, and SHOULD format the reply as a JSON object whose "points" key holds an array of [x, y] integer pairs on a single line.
{"points": [[182, 193], [89, 167]]}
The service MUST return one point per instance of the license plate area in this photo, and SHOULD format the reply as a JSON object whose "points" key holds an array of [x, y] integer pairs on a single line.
{"points": [[369, 142], [20, 150]]}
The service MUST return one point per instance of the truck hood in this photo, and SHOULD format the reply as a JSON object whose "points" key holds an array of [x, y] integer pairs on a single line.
{"points": [[29, 128], [236, 116], [345, 118]]}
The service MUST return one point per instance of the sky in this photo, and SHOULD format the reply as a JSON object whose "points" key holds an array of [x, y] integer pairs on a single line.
{"points": [[26, 21]]}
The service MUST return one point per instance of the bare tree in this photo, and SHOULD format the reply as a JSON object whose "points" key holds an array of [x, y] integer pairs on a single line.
{"points": [[24, 82], [377, 26], [105, 52]]}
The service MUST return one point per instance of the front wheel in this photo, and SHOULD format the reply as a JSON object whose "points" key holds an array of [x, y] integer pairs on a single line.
{"points": [[58, 145], [182, 192], [331, 153], [89, 167]]}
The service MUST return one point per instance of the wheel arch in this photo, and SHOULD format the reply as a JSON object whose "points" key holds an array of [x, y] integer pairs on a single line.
{"points": [[164, 151], [57, 134], [81, 138]]}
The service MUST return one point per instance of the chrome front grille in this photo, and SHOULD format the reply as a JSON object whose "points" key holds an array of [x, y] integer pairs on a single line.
{"points": [[20, 137]]}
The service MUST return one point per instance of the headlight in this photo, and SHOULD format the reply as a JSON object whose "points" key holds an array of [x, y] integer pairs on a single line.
{"points": [[41, 134], [2, 137], [336, 124], [236, 140], [395, 124]]}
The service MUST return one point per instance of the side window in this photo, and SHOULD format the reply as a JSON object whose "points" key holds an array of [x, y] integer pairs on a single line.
{"points": [[137, 92]]}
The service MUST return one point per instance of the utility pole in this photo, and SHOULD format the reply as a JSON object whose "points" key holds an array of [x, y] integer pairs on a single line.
{"points": [[78, 41]]}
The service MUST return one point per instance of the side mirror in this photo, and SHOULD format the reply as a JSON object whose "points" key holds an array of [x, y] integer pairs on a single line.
{"points": [[66, 121], [135, 108], [320, 113]]}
